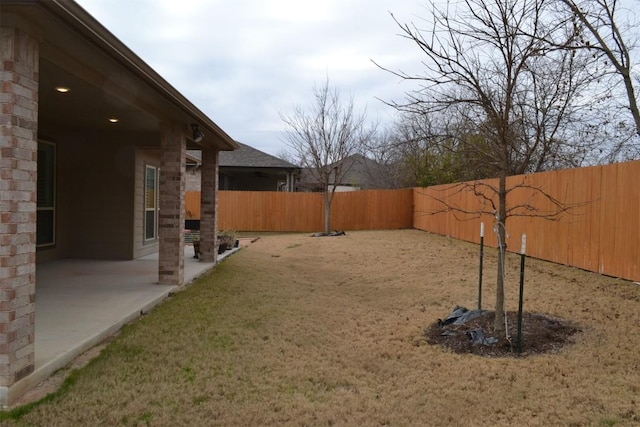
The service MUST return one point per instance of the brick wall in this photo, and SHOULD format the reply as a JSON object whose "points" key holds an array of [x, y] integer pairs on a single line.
{"points": [[18, 184], [209, 204], [171, 217], [192, 182]]}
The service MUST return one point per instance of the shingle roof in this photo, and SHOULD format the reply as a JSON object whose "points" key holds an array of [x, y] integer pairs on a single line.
{"points": [[359, 171], [247, 157]]}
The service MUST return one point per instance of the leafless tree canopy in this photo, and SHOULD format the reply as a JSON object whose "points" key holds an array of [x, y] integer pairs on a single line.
{"points": [[572, 90], [324, 134], [491, 72]]}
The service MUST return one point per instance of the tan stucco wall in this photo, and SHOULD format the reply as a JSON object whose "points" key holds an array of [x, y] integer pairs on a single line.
{"points": [[98, 200], [101, 198]]}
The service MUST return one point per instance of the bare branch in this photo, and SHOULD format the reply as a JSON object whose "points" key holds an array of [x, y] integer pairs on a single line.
{"points": [[600, 18]]}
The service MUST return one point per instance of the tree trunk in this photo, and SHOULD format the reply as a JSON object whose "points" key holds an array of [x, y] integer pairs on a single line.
{"points": [[633, 104], [498, 324], [327, 214]]}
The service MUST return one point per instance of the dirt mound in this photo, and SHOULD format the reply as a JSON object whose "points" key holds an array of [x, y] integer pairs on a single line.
{"points": [[541, 334]]}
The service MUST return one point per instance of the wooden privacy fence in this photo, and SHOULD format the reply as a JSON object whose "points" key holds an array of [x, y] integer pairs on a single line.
{"points": [[304, 212], [600, 231]]}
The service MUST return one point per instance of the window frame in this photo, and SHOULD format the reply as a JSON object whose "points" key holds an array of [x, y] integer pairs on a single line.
{"points": [[51, 191], [155, 209]]}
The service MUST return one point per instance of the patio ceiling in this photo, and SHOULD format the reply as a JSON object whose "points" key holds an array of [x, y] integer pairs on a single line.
{"points": [[85, 107], [105, 78]]}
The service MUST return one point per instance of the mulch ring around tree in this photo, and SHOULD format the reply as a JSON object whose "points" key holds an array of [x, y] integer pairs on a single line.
{"points": [[541, 333], [329, 234]]}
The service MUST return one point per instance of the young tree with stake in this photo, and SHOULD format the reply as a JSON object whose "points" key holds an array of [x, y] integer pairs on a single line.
{"points": [[488, 65]]}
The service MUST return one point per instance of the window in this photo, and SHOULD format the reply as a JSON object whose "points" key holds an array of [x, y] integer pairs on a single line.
{"points": [[46, 205], [151, 184]]}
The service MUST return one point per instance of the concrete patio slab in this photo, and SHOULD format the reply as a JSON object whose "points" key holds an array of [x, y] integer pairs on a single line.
{"points": [[79, 303]]}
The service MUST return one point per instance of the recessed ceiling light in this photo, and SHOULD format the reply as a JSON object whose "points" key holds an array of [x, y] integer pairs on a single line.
{"points": [[62, 89], [114, 119]]}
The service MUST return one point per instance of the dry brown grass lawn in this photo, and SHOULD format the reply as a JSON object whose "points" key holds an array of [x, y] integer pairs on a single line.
{"points": [[296, 330]]}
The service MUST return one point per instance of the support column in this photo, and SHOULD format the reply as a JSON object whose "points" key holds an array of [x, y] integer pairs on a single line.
{"points": [[171, 214], [209, 204], [19, 64]]}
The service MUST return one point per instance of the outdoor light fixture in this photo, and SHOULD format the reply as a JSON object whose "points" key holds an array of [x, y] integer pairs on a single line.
{"points": [[198, 136], [62, 89], [114, 119]]}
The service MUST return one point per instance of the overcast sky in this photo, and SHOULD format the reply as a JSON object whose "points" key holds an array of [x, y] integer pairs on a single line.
{"points": [[242, 62]]}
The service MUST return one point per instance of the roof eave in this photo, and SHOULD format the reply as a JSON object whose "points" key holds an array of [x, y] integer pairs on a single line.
{"points": [[89, 27]]}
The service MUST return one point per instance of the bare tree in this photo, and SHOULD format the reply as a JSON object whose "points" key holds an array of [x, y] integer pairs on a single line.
{"points": [[323, 136], [605, 33], [488, 66]]}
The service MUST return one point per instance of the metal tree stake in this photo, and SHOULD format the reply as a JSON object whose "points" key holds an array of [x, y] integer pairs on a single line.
{"points": [[523, 250], [481, 257]]}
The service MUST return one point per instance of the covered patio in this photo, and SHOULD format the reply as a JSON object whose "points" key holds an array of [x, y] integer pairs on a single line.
{"points": [[82, 302]]}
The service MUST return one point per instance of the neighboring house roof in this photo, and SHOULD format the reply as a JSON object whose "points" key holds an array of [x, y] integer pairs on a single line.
{"points": [[245, 157], [361, 172]]}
